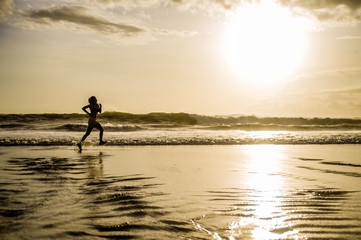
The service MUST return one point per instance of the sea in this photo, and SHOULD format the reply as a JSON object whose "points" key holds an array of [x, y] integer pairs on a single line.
{"points": [[176, 129]]}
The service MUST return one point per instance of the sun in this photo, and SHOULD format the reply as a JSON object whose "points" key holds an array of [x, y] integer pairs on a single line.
{"points": [[263, 43]]}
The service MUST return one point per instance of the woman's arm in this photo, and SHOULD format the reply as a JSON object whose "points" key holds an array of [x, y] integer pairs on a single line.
{"points": [[100, 108], [84, 109]]}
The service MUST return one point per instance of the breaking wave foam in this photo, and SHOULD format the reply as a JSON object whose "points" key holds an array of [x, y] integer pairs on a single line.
{"points": [[191, 140]]}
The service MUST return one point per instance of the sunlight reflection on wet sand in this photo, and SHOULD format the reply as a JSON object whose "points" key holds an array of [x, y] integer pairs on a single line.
{"points": [[263, 167]]}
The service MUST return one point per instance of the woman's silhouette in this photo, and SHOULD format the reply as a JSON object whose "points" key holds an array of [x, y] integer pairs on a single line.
{"points": [[95, 108]]}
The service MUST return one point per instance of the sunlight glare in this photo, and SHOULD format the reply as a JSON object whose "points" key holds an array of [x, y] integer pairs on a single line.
{"points": [[263, 177], [264, 164], [263, 43]]}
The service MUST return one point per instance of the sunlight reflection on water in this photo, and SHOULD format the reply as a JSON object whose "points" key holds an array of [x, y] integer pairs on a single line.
{"points": [[265, 134], [263, 179]]}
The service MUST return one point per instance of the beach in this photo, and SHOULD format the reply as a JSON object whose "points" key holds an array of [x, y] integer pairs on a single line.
{"points": [[181, 192], [180, 119]]}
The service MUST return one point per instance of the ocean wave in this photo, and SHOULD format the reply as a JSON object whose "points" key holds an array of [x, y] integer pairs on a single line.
{"points": [[83, 127], [156, 117], [278, 121], [12, 126], [70, 122], [287, 139], [26, 118], [72, 127], [278, 127]]}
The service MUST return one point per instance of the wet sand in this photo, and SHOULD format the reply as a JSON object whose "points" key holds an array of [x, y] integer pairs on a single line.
{"points": [[181, 192]]}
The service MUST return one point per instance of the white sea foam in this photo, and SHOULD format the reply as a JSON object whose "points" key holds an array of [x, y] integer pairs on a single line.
{"points": [[184, 136]]}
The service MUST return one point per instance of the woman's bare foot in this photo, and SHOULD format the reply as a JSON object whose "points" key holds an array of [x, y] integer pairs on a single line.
{"points": [[79, 146]]}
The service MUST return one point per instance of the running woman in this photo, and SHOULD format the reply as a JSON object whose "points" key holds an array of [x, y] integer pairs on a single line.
{"points": [[94, 108]]}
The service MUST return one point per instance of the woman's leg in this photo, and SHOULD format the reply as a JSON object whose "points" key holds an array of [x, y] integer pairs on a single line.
{"points": [[88, 131], [101, 130]]}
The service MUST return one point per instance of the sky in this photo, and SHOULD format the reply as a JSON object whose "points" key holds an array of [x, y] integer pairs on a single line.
{"points": [[286, 58]]}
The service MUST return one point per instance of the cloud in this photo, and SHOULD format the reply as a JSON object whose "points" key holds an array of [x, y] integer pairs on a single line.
{"points": [[6, 9], [81, 16], [128, 4], [208, 6], [327, 13], [326, 81], [341, 102], [335, 92], [346, 91], [349, 38], [334, 12], [352, 4], [174, 33], [315, 6], [226, 4]]}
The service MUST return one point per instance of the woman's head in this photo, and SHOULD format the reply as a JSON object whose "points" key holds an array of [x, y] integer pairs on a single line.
{"points": [[92, 100]]}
